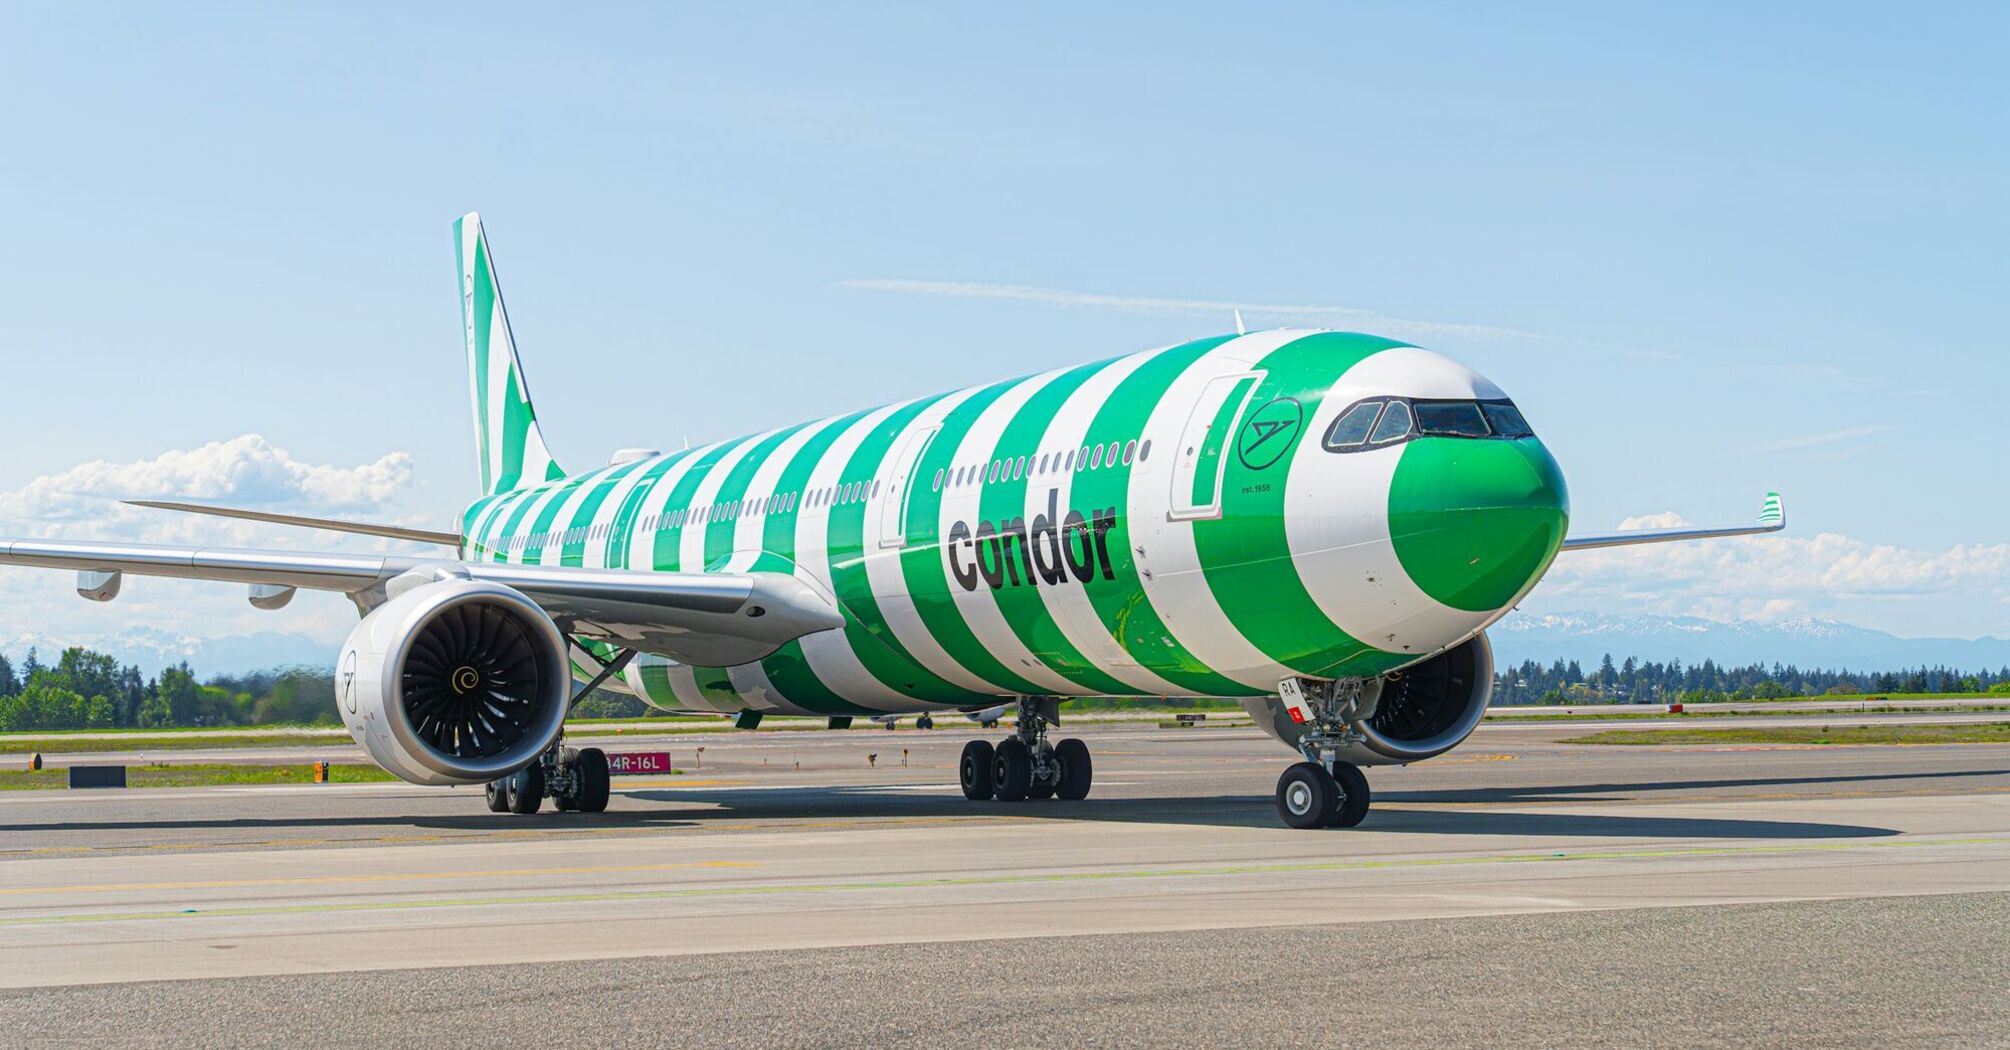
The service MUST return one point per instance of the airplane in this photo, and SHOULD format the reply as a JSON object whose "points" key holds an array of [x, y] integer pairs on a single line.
{"points": [[1320, 525]]}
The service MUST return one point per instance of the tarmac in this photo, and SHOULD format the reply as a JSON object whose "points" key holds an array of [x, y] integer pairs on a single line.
{"points": [[784, 890]]}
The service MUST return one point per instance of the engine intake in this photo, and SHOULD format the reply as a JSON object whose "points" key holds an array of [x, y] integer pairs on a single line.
{"points": [[1422, 711], [455, 682]]}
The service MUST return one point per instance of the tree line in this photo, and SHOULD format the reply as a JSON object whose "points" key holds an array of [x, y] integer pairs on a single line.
{"points": [[1634, 681], [90, 690]]}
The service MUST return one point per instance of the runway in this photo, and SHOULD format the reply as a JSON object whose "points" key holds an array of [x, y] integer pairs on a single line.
{"points": [[783, 891]]}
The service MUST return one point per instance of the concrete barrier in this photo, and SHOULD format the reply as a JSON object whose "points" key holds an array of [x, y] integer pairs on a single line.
{"points": [[97, 776]]}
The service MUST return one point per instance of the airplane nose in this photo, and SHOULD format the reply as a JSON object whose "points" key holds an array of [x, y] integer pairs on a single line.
{"points": [[1476, 522]]}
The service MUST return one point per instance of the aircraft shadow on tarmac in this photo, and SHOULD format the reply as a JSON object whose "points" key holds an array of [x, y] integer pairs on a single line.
{"points": [[791, 809], [657, 808]]}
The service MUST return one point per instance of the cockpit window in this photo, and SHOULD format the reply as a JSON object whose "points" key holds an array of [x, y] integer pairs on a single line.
{"points": [[1351, 429], [1451, 419], [1377, 422], [1506, 419], [1395, 424]]}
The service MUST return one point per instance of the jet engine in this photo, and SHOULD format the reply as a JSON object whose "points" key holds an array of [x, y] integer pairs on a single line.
{"points": [[455, 682], [1421, 711]]}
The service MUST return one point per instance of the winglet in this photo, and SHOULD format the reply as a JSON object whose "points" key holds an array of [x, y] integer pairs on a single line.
{"points": [[1772, 518], [1774, 514]]}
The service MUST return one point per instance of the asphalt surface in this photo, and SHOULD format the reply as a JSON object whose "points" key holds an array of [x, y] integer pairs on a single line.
{"points": [[784, 891]]}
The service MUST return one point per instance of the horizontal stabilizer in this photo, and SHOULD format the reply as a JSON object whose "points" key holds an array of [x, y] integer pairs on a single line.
{"points": [[1772, 518], [389, 532]]}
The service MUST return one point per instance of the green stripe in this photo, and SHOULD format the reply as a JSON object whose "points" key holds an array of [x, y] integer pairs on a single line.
{"points": [[482, 313], [1121, 604], [575, 553], [788, 668], [667, 555], [1245, 555], [1022, 607], [850, 543], [922, 559]]}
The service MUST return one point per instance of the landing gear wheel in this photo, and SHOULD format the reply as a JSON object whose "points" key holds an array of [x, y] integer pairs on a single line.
{"points": [[1076, 771], [497, 792], [1354, 796], [595, 783], [924, 722], [1307, 796], [975, 769], [526, 789], [1012, 770]]}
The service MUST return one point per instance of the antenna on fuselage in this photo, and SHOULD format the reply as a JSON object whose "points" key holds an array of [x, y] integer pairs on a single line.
{"points": [[1239, 330]]}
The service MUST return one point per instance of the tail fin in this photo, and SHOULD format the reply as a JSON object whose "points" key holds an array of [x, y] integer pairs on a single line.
{"points": [[512, 449]]}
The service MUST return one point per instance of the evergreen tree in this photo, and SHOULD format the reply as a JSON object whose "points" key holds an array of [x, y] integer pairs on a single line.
{"points": [[7, 686]]}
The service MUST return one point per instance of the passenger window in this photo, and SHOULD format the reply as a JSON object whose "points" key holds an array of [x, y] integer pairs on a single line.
{"points": [[1394, 425], [1145, 450], [1130, 452], [1351, 429]]}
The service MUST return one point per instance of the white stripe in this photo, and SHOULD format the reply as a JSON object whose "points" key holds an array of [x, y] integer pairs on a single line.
{"points": [[979, 608], [829, 653], [691, 539], [889, 582], [1336, 513], [498, 364], [1069, 603], [1175, 584]]}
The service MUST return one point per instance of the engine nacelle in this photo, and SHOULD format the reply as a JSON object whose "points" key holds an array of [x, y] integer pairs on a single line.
{"points": [[1423, 710], [455, 682]]}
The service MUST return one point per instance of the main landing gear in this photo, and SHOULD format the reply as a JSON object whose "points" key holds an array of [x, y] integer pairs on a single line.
{"points": [[575, 779], [1025, 766], [1323, 791]]}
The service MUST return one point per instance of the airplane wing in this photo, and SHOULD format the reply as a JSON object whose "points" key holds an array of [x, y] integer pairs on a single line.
{"points": [[361, 528], [1772, 518], [709, 619]]}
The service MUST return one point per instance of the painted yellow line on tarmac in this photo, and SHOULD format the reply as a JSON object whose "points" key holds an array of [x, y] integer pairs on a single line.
{"points": [[772, 889], [329, 880]]}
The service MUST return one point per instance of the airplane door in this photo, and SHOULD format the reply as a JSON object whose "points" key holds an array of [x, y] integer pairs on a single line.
{"points": [[893, 508], [1198, 463]]}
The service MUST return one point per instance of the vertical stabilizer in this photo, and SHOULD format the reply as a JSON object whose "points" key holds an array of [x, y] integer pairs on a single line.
{"points": [[507, 439]]}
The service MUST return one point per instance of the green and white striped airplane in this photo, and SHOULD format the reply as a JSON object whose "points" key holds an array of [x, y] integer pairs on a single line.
{"points": [[1320, 525]]}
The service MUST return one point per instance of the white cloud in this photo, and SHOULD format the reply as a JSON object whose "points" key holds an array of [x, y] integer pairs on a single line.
{"points": [[1773, 577], [1827, 438], [244, 471], [1270, 313], [82, 503]]}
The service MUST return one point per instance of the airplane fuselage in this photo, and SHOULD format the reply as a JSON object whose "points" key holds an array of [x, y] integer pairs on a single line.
{"points": [[1197, 520]]}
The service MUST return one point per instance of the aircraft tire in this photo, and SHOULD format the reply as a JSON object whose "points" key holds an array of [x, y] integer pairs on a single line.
{"points": [[1307, 796], [1077, 771], [497, 793], [595, 783], [1354, 796], [1012, 770], [526, 789], [975, 770]]}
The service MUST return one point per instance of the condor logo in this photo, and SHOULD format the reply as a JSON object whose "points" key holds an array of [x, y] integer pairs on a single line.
{"points": [[1007, 553]]}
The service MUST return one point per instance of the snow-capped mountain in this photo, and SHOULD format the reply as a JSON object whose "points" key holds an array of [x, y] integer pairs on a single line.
{"points": [[1805, 642], [150, 649]]}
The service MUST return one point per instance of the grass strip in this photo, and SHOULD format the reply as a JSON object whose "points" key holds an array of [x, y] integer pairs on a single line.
{"points": [[202, 775], [1909, 733]]}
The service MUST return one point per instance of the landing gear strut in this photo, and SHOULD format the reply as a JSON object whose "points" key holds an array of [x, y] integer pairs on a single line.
{"points": [[577, 780], [1025, 765], [1323, 791]]}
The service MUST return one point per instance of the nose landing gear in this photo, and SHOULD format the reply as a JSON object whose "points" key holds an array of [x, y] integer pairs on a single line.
{"points": [[1323, 791], [1025, 765]]}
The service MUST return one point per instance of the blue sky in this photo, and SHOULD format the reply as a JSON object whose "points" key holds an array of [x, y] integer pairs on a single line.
{"points": [[1711, 250]]}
